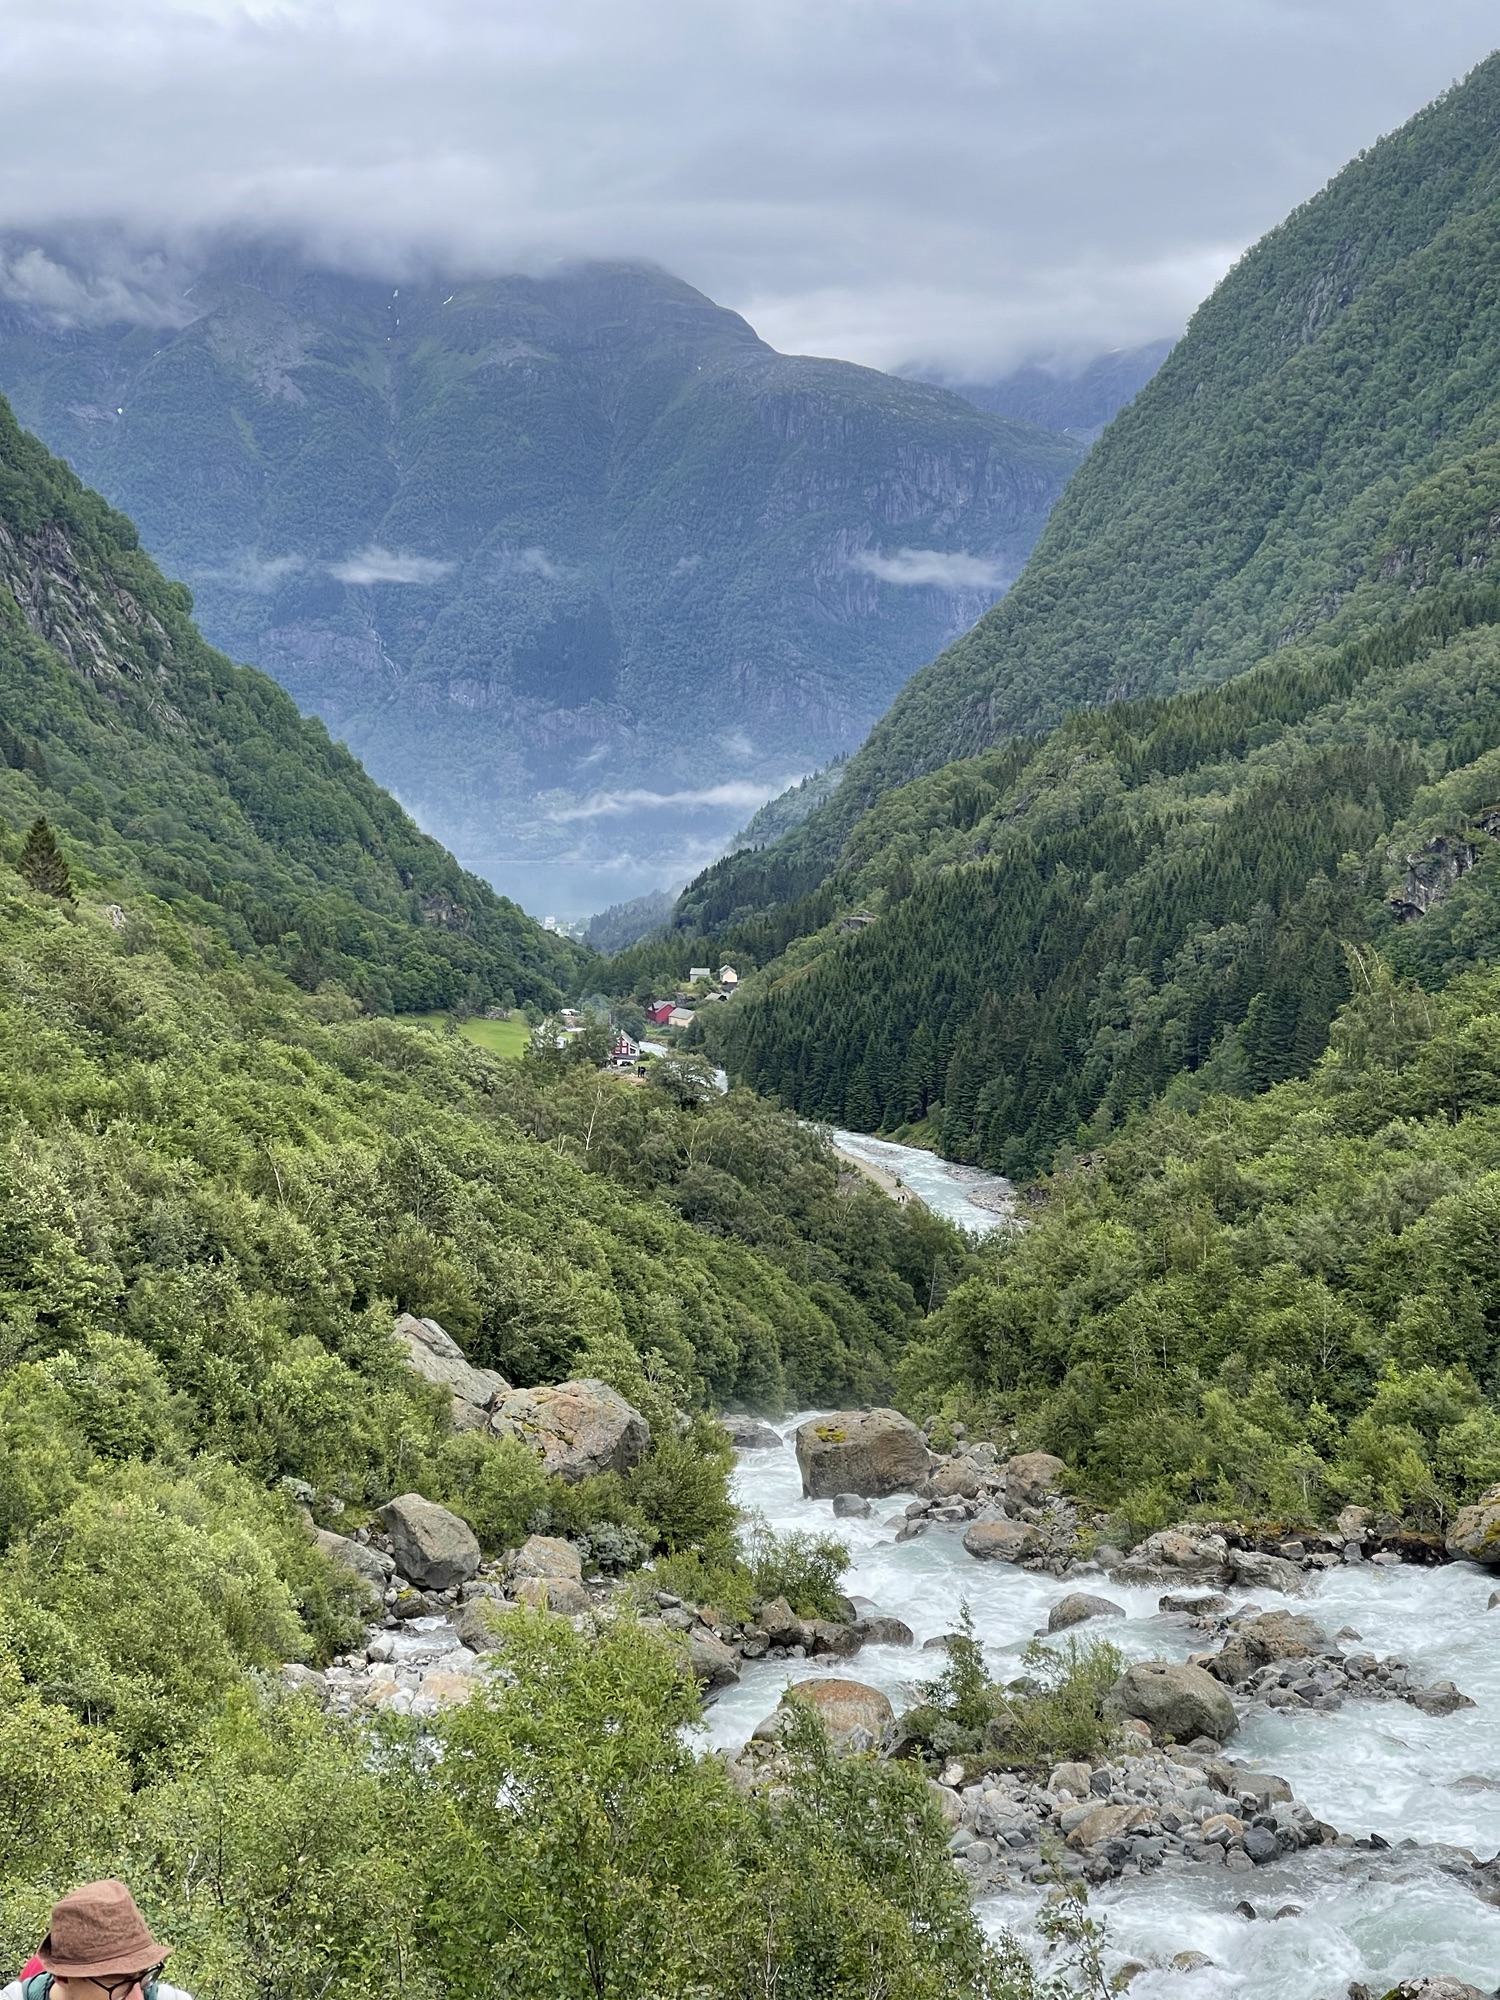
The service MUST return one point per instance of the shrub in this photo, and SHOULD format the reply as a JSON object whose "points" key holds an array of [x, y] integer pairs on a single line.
{"points": [[803, 1568]]}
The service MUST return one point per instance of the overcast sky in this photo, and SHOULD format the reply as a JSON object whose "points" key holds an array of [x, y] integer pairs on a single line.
{"points": [[949, 183]]}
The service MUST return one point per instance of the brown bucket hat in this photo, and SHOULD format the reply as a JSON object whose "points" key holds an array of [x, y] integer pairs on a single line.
{"points": [[98, 1929]]}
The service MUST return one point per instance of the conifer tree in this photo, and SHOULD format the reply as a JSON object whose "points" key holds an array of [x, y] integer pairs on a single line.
{"points": [[42, 864]]}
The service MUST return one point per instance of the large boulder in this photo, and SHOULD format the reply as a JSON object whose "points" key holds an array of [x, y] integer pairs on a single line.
{"points": [[577, 1429], [750, 1434], [855, 1716], [1078, 1607], [1253, 1571], [431, 1546], [1274, 1635], [1178, 1555], [373, 1565], [712, 1662], [547, 1573], [873, 1452], [1179, 1702], [438, 1358], [1030, 1476], [1002, 1541], [1476, 1530]]}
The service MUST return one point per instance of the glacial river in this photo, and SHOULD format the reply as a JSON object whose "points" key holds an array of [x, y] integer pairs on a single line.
{"points": [[970, 1196], [1373, 1767]]}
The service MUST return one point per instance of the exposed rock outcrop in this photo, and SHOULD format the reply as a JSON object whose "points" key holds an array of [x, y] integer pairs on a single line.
{"points": [[438, 1358], [577, 1429], [1476, 1530]]}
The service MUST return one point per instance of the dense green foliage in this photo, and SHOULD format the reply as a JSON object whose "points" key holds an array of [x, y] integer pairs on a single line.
{"points": [[1263, 484], [1014, 951], [523, 541], [1266, 1308], [162, 767], [1157, 890], [562, 1842]]}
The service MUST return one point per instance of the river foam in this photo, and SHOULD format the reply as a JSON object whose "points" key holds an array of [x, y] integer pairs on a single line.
{"points": [[1371, 1768]]}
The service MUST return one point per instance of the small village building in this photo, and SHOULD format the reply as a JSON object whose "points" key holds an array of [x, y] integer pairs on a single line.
{"points": [[681, 1017], [697, 972], [728, 976], [660, 1012]]}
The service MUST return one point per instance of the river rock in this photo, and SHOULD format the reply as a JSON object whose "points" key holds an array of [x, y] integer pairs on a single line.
{"points": [[1476, 1530], [851, 1506], [431, 1545], [1182, 1702], [1002, 1541], [1274, 1635], [437, 1357], [872, 1452], [831, 1636], [879, 1630], [475, 1625], [577, 1429], [547, 1573], [1031, 1476], [954, 1479], [1101, 1823], [1077, 1607], [1178, 1555], [373, 1565], [1195, 1603], [779, 1622], [1443, 1987], [1253, 1571], [855, 1716], [1439, 1698], [750, 1434], [712, 1662]]}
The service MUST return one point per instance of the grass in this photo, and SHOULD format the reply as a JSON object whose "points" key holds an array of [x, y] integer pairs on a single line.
{"points": [[501, 1038]]}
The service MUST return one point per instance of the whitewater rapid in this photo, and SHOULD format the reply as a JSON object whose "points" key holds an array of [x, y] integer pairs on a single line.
{"points": [[1371, 1768]]}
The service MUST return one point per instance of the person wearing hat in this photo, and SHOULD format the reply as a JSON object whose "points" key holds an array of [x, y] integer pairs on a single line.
{"points": [[97, 1949]]}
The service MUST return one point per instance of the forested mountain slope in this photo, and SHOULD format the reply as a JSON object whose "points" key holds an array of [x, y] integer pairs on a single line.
{"points": [[1029, 941], [166, 768], [530, 544], [1263, 486]]}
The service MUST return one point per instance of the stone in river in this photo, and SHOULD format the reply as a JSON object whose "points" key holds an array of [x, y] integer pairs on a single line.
{"points": [[1441, 1698], [431, 1545], [1002, 1541], [1476, 1530], [1257, 1572], [1178, 1555], [846, 1708], [851, 1506], [1195, 1603], [1102, 1823], [1182, 1702], [750, 1434], [879, 1630], [1077, 1607], [872, 1452], [1260, 1844]]}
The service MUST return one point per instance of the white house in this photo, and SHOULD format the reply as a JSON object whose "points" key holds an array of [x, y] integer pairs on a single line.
{"points": [[728, 976], [697, 972]]}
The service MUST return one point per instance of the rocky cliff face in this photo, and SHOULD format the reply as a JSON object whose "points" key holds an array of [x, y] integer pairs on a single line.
{"points": [[579, 565]]}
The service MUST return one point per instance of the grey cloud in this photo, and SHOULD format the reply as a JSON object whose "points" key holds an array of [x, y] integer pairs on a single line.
{"points": [[733, 794], [145, 295], [948, 183], [935, 568], [375, 565]]}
